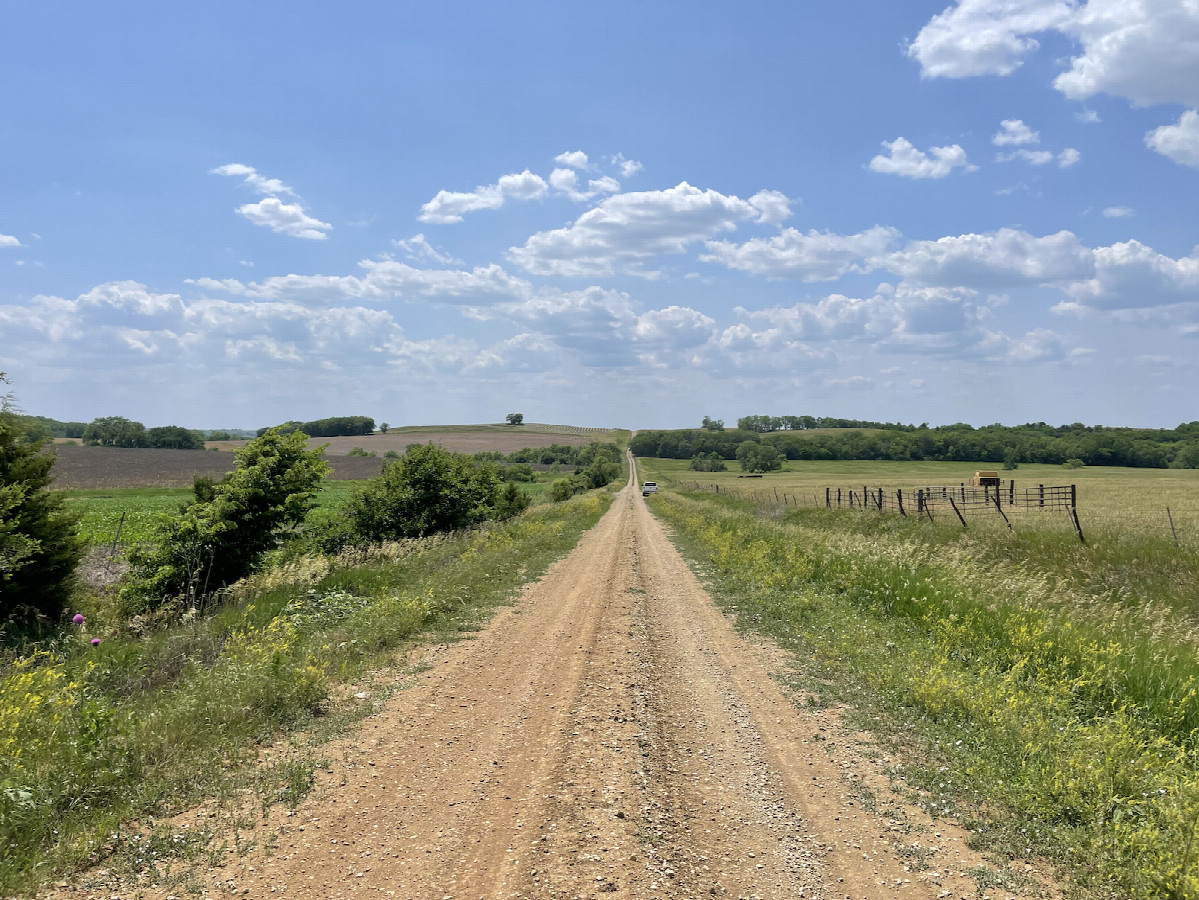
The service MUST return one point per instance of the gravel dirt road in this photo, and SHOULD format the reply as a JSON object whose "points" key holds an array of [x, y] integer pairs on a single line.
{"points": [[608, 735]]}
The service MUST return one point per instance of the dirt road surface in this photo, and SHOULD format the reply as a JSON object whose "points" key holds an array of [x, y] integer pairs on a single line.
{"points": [[610, 735]]}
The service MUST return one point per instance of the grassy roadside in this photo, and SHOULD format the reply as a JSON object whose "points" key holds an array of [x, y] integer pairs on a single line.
{"points": [[1056, 720], [94, 737]]}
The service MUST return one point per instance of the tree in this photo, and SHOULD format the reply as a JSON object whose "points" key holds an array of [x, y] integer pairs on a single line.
{"points": [[39, 543], [427, 490], [708, 462], [221, 535], [757, 457], [384, 427], [710, 424], [115, 431], [174, 437], [515, 418]]}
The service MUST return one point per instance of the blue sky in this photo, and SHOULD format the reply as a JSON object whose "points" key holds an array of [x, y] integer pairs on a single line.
{"points": [[625, 214]]}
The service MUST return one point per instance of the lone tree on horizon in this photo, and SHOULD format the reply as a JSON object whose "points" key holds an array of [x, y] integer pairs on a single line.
{"points": [[515, 418]]}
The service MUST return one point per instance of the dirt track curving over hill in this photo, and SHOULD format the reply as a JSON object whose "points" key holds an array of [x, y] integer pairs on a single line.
{"points": [[609, 735]]}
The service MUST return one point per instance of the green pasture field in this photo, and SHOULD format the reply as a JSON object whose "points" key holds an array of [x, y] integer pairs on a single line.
{"points": [[100, 510], [1042, 691], [1112, 499]]}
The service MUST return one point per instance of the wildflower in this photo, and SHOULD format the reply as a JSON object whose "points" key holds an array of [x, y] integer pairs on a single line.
{"points": [[78, 619], [95, 642]]}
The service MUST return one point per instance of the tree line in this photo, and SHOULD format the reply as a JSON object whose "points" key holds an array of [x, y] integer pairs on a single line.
{"points": [[998, 444], [335, 426]]}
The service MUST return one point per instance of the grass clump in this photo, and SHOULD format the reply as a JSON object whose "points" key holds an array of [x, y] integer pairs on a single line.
{"points": [[1060, 721]]}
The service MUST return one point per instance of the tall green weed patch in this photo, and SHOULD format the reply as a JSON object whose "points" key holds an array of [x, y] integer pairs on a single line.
{"points": [[1074, 722]]}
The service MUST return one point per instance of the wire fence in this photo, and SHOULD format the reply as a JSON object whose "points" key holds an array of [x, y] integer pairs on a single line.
{"points": [[955, 502]]}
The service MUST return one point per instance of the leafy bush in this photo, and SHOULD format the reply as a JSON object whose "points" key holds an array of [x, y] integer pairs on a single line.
{"points": [[39, 545], [358, 451], [425, 491], [510, 502], [562, 489], [221, 535]]}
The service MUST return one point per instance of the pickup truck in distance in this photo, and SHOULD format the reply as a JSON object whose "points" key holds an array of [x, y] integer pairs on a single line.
{"points": [[650, 487]]}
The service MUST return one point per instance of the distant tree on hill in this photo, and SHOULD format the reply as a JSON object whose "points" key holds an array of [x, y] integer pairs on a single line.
{"points": [[115, 431], [174, 437], [515, 418], [219, 436], [385, 428], [710, 424]]}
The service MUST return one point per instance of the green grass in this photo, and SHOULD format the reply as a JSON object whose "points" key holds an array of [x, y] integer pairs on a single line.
{"points": [[1056, 714], [142, 726], [1127, 500], [100, 510]]}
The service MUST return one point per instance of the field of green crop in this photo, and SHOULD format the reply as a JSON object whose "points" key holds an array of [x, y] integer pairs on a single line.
{"points": [[1042, 691], [101, 510]]}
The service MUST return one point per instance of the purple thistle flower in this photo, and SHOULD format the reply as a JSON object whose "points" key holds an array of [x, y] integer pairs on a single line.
{"points": [[95, 642], [78, 619]]}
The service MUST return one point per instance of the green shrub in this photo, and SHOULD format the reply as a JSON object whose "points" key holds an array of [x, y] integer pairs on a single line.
{"points": [[222, 534], [510, 502], [562, 489], [39, 544], [427, 490], [358, 451]]}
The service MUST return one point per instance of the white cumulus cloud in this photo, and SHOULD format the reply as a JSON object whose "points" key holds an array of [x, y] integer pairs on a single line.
{"points": [[1178, 142], [257, 182], [1131, 276], [1068, 157], [1145, 51], [7, 240], [285, 218], [576, 159], [448, 207], [815, 256], [1032, 157], [1014, 131], [627, 167], [624, 230], [984, 37], [999, 260], [906, 160]]}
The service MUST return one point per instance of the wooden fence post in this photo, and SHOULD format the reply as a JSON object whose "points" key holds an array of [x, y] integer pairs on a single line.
{"points": [[899, 500], [961, 518], [1041, 489], [1077, 526], [828, 498], [999, 509]]}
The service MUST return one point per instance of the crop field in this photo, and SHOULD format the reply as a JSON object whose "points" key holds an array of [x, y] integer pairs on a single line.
{"points": [[101, 510], [79, 468], [460, 438], [1043, 690], [1113, 500]]}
